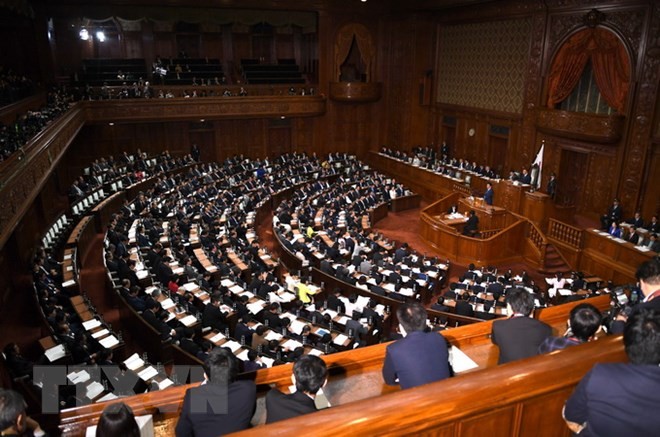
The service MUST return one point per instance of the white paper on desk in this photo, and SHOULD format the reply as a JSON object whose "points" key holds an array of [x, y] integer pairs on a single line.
{"points": [[642, 248], [148, 373], [389, 286], [243, 356], [565, 291], [340, 340], [236, 289], [94, 389], [267, 361], [91, 324], [315, 352], [272, 335], [109, 341], [297, 326], [69, 283], [459, 361], [226, 283], [150, 290], [332, 313], [164, 384], [190, 286], [233, 345], [248, 294], [386, 272], [69, 268], [79, 377], [167, 304], [342, 320], [201, 295], [291, 344], [188, 320], [141, 274], [108, 397], [255, 307], [217, 337], [134, 364], [67, 256]]}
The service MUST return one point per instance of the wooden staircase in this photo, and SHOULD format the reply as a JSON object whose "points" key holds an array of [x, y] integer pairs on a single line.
{"points": [[554, 262]]}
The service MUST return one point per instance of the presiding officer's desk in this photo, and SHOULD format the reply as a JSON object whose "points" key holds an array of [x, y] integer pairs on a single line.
{"points": [[356, 375]]}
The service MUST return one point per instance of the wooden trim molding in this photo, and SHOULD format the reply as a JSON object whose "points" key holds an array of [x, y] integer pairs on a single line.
{"points": [[356, 92], [606, 129]]}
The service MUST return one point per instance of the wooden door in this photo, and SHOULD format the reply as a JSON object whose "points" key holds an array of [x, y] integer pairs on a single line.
{"points": [[571, 178]]}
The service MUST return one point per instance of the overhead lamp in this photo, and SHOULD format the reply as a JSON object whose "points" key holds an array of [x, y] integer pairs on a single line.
{"points": [[100, 36], [84, 34]]}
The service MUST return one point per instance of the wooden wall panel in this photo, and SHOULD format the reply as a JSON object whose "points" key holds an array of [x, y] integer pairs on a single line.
{"points": [[164, 45], [212, 46], [133, 45]]}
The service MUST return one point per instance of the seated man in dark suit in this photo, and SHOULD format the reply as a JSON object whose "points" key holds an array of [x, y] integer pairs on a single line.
{"points": [[463, 306], [188, 344], [220, 406], [440, 305], [309, 375], [272, 318], [520, 335], [418, 358], [622, 398], [583, 324], [356, 329], [472, 225], [213, 317]]}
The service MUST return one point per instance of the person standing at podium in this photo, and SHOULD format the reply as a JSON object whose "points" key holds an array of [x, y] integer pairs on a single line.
{"points": [[488, 195]]}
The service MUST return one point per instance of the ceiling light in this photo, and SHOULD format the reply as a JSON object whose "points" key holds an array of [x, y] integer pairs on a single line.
{"points": [[84, 34], [100, 36]]}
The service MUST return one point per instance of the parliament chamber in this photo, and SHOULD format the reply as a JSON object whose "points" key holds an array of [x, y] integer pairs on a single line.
{"points": [[243, 138]]}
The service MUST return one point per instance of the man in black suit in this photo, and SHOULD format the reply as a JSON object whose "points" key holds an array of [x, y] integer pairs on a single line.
{"points": [[334, 303], [420, 357], [309, 375], [463, 307], [220, 406], [614, 214], [272, 318], [472, 225], [188, 344], [213, 316], [519, 336], [453, 209], [356, 329]]}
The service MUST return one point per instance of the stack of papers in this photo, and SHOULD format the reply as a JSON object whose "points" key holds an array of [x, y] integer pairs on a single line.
{"points": [[101, 333], [91, 324], [217, 337], [340, 339], [133, 362], [272, 335], [291, 344], [459, 361], [167, 304], [233, 345], [188, 320], [148, 373], [78, 377], [109, 341], [165, 383], [94, 389]]}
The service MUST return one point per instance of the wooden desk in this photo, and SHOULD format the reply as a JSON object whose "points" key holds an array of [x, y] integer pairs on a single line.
{"points": [[610, 259]]}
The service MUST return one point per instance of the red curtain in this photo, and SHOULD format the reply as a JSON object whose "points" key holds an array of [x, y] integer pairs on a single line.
{"points": [[610, 65]]}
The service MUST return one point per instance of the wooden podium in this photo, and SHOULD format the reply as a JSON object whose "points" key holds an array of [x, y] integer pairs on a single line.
{"points": [[490, 216]]}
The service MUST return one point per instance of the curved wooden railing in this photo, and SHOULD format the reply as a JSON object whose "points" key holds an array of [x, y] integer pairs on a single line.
{"points": [[538, 242], [521, 398], [9, 113], [347, 367], [26, 171], [564, 233]]}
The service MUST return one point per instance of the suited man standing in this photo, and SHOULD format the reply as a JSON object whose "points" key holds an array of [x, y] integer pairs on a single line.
{"points": [[488, 195], [520, 335], [614, 214], [419, 357], [309, 376], [222, 404]]}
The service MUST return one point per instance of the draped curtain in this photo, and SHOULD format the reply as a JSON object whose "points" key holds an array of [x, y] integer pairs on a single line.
{"points": [[610, 63], [343, 47]]}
